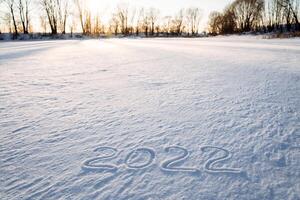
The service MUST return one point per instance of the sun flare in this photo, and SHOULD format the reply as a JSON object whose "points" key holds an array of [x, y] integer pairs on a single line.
{"points": [[94, 6]]}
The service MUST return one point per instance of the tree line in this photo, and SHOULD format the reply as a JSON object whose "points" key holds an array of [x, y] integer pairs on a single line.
{"points": [[56, 16], [256, 16], [62, 16]]}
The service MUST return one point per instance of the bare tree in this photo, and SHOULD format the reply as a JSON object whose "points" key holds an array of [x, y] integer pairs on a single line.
{"points": [[248, 13], [63, 12], [114, 24], [11, 6], [178, 22], [153, 17], [43, 23], [97, 25], [122, 15], [23, 7], [139, 20], [194, 16], [223, 23], [229, 24], [51, 9], [84, 16], [72, 25], [290, 11], [80, 12], [166, 25], [215, 22], [8, 21], [238, 16], [271, 14], [145, 24], [57, 13], [131, 20]]}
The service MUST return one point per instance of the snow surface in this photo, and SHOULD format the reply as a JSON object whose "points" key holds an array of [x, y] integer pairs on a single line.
{"points": [[214, 118]]}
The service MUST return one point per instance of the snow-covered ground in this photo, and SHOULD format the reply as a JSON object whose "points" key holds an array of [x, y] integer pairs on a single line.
{"points": [[215, 118]]}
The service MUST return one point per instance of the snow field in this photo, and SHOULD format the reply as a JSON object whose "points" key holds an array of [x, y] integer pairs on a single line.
{"points": [[214, 118]]}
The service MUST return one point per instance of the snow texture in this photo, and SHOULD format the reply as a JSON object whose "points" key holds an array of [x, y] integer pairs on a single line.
{"points": [[214, 118]]}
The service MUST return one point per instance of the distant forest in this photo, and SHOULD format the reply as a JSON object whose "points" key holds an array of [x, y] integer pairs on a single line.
{"points": [[58, 17]]}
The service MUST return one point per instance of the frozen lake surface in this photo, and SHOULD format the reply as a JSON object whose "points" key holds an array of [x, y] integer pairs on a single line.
{"points": [[215, 118]]}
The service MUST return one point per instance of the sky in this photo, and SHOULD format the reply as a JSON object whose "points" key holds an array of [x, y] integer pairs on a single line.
{"points": [[167, 7]]}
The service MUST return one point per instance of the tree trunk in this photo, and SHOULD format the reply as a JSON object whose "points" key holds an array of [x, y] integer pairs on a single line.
{"points": [[14, 20]]}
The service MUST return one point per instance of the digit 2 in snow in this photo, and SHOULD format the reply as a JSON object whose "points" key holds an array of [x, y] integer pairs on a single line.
{"points": [[170, 165]]}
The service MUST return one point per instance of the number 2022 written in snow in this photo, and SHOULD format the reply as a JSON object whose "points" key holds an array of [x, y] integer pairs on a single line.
{"points": [[101, 162]]}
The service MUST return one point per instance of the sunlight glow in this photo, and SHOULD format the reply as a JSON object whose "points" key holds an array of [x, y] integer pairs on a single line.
{"points": [[94, 6]]}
